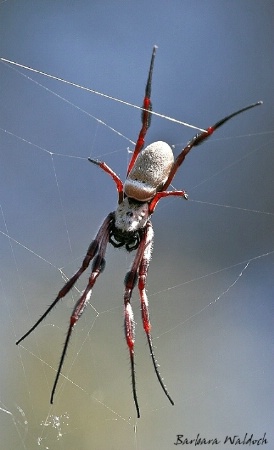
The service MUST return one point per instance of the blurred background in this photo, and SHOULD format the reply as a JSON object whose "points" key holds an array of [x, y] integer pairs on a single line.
{"points": [[210, 283]]}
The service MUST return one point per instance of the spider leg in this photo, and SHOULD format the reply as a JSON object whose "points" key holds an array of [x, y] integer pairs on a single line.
{"points": [[92, 250], [146, 116], [116, 179], [160, 195], [143, 269], [97, 268], [138, 272], [130, 282], [199, 138]]}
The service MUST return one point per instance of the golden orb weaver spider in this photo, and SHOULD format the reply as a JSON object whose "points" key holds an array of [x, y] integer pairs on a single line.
{"points": [[149, 174]]}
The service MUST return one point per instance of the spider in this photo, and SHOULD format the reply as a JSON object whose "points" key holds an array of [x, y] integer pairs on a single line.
{"points": [[150, 172]]}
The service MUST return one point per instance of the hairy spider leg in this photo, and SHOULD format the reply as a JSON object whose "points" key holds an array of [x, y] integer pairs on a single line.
{"points": [[201, 137], [138, 272], [92, 250], [146, 115], [97, 268], [96, 249], [116, 179], [142, 277], [129, 323]]}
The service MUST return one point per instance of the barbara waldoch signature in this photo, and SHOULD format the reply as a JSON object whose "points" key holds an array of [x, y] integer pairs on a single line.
{"points": [[233, 439]]}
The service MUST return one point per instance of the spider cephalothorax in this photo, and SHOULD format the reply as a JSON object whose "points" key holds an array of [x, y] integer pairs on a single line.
{"points": [[130, 218], [149, 174], [131, 215]]}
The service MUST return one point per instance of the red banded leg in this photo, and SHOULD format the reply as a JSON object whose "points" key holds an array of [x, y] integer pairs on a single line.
{"points": [[92, 250], [96, 252], [130, 282], [97, 268], [138, 272], [143, 269], [116, 179], [146, 116], [199, 138], [160, 195]]}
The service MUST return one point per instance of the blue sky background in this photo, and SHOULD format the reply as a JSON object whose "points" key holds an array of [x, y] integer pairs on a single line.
{"points": [[210, 282]]}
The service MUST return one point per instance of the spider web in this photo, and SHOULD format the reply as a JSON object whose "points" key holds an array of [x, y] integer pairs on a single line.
{"points": [[209, 286]]}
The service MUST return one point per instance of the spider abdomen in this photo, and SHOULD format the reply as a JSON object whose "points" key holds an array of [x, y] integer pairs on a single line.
{"points": [[150, 171]]}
